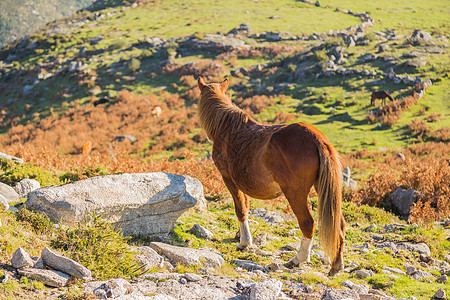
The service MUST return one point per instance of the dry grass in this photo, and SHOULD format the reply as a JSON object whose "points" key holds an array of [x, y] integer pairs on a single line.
{"points": [[426, 170]]}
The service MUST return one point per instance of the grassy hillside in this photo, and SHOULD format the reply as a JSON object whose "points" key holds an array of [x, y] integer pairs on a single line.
{"points": [[21, 17]]}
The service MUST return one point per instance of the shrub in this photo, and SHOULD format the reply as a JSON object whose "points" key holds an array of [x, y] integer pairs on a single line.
{"points": [[321, 56], [134, 65], [11, 173], [100, 248], [40, 223]]}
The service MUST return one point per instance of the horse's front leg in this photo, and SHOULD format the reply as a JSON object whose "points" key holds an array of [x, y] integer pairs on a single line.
{"points": [[241, 206]]}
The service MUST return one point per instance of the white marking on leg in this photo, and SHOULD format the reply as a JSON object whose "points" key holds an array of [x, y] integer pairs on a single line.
{"points": [[303, 254], [246, 236]]}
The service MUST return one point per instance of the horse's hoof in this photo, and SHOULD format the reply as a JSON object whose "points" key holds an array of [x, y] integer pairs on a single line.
{"points": [[241, 248], [333, 272], [290, 264]]}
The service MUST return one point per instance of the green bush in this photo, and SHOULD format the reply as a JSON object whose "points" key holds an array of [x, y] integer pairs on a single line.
{"points": [[100, 248], [11, 173], [134, 65], [40, 223], [334, 41], [321, 56], [78, 174]]}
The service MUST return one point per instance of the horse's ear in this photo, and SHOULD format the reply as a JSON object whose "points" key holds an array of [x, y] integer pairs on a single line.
{"points": [[201, 83], [224, 85]]}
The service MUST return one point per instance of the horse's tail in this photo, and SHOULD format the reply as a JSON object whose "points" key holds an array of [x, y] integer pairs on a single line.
{"points": [[329, 188], [389, 96]]}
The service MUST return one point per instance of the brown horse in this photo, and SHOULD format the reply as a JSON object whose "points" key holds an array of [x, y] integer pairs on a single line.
{"points": [[380, 95], [264, 162]]}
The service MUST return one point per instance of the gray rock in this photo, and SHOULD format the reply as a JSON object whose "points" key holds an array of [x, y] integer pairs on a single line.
{"points": [[4, 206], [383, 48], [389, 245], [336, 294], [65, 264], [402, 200], [268, 216], [395, 270], [9, 157], [193, 277], [351, 42], [266, 290], [25, 186], [372, 227], [378, 237], [410, 270], [363, 273], [261, 239], [420, 248], [292, 246], [201, 232], [149, 258], [27, 89], [145, 204], [346, 174], [248, 265], [420, 34], [96, 39], [21, 259], [48, 277], [440, 294], [189, 256], [9, 193], [419, 274], [322, 257], [442, 279], [117, 287]]}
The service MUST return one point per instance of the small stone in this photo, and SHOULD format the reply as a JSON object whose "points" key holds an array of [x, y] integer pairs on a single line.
{"points": [[48, 277], [201, 232], [447, 258], [395, 270], [440, 294], [292, 246], [65, 264], [410, 270], [363, 273], [348, 284], [419, 274], [266, 289], [378, 237], [442, 279], [193, 277], [117, 287], [248, 265], [183, 280], [371, 228], [260, 240], [21, 259], [25, 186]]}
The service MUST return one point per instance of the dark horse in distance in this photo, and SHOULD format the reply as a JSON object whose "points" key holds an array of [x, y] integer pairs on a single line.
{"points": [[380, 95], [264, 162]]}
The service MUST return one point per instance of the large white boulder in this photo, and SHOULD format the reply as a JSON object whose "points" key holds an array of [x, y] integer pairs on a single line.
{"points": [[141, 204]]}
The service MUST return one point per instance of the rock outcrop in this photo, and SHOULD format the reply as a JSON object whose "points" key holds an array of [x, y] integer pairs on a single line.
{"points": [[142, 204]]}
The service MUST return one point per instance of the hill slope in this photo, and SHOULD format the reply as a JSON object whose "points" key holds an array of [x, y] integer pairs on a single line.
{"points": [[22, 17]]}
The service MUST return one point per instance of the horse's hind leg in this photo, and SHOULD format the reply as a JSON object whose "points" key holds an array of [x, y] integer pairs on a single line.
{"points": [[299, 204], [241, 206]]}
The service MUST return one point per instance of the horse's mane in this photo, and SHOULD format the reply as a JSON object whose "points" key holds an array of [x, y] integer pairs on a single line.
{"points": [[216, 112]]}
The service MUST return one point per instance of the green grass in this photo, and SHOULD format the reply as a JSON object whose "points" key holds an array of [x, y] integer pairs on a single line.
{"points": [[403, 15]]}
